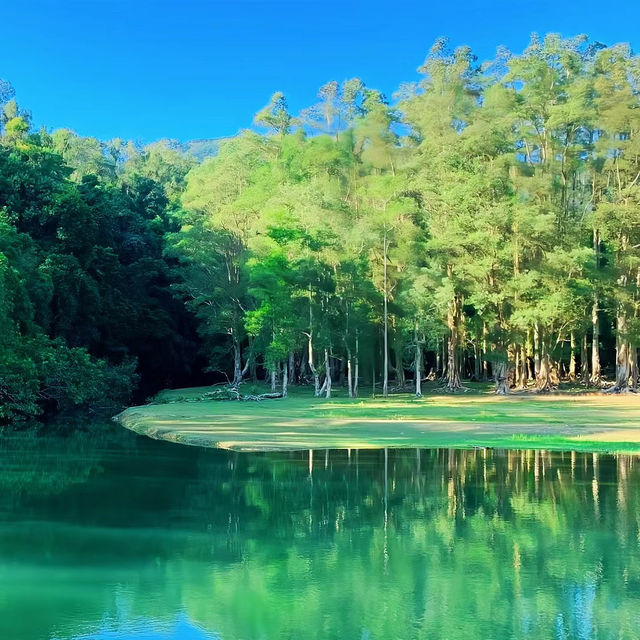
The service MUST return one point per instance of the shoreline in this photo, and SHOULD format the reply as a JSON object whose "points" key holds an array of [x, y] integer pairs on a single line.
{"points": [[589, 422]]}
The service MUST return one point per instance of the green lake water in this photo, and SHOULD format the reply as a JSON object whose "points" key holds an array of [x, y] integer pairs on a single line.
{"points": [[110, 536]]}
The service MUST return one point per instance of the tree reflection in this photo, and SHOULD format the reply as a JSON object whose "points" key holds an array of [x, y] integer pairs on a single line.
{"points": [[330, 544]]}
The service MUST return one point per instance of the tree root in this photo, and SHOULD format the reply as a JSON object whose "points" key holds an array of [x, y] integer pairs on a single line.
{"points": [[231, 393], [616, 389], [460, 389]]}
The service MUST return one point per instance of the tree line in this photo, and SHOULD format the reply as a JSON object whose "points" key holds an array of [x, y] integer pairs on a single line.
{"points": [[87, 313], [485, 223]]}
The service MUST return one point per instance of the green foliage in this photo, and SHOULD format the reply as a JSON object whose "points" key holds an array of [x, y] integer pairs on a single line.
{"points": [[485, 219], [85, 297]]}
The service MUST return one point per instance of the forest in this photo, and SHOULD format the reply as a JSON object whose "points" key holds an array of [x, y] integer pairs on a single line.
{"points": [[483, 223]]}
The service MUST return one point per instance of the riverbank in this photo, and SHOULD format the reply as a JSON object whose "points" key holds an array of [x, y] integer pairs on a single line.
{"points": [[582, 422]]}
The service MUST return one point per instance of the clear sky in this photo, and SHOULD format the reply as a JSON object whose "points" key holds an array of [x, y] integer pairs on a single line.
{"points": [[185, 69]]}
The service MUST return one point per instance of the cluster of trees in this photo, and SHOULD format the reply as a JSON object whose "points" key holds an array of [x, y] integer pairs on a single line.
{"points": [[86, 306], [485, 224]]}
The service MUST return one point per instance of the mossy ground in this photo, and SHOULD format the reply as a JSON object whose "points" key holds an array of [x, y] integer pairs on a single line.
{"points": [[587, 422]]}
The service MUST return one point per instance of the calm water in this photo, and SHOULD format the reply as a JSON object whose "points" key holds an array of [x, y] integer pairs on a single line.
{"points": [[112, 537]]}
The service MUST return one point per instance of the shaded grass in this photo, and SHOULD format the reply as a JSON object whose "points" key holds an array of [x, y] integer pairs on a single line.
{"points": [[590, 422]]}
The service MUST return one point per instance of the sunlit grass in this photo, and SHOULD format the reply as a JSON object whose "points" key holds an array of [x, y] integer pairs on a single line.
{"points": [[475, 419]]}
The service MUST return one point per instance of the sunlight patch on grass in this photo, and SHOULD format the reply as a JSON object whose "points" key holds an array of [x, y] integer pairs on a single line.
{"points": [[586, 422]]}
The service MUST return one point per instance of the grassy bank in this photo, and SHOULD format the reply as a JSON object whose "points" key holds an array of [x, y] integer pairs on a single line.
{"points": [[477, 419]]}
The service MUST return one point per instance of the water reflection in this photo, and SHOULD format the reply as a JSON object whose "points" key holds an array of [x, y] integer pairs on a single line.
{"points": [[112, 536]]}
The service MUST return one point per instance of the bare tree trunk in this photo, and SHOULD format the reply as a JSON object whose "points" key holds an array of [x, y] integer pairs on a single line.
{"points": [[438, 363], [536, 350], [453, 370], [385, 366], [249, 364], [254, 370], [584, 360], [349, 374], [595, 321], [476, 361], [273, 379], [327, 366], [237, 360], [285, 379], [595, 343], [623, 364], [292, 368], [418, 363], [543, 373], [485, 363], [500, 374], [316, 378], [572, 358], [522, 374], [357, 368]]}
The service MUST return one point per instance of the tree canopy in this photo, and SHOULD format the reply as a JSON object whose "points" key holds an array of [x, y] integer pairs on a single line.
{"points": [[483, 224]]}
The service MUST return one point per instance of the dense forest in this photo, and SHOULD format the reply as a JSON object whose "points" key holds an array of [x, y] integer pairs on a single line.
{"points": [[484, 223]]}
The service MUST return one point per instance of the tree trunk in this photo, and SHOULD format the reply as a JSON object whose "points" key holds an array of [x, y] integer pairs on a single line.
{"points": [[237, 360], [521, 367], [273, 379], [292, 368], [536, 350], [316, 378], [327, 366], [584, 360], [595, 321], [500, 374], [357, 372], [623, 361], [522, 379], [418, 363], [572, 358], [385, 366], [249, 364], [476, 361], [349, 374], [595, 343], [285, 379], [453, 370], [543, 372], [485, 363]]}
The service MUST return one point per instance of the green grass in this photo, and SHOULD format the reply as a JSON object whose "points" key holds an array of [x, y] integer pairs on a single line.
{"points": [[588, 422]]}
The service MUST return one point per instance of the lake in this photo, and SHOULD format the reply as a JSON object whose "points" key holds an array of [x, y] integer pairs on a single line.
{"points": [[107, 535]]}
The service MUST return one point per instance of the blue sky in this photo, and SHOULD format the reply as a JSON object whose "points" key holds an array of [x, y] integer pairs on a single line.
{"points": [[150, 69]]}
